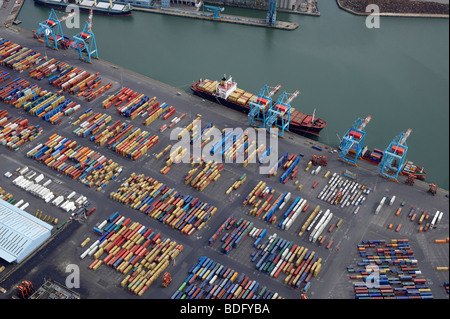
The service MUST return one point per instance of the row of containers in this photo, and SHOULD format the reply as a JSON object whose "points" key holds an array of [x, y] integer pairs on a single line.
{"points": [[132, 104], [79, 162], [15, 132], [36, 186], [49, 106], [71, 79], [209, 279], [123, 138], [340, 191], [388, 271], [265, 205], [424, 218], [132, 249], [17, 57], [232, 147], [271, 256], [165, 204]]}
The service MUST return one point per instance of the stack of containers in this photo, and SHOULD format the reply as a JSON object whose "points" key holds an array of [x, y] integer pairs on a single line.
{"points": [[281, 161], [209, 86], [132, 143], [131, 248], [4, 76], [292, 213], [16, 132], [92, 124], [155, 112], [9, 90], [210, 173], [210, 280], [80, 163], [310, 220], [277, 255], [237, 183], [239, 148], [122, 138], [225, 226], [390, 272], [163, 203], [119, 97], [235, 238], [46, 105], [48, 69], [291, 167], [17, 57], [7, 48]]}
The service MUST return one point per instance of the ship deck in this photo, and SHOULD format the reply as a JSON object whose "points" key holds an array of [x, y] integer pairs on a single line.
{"points": [[333, 281]]}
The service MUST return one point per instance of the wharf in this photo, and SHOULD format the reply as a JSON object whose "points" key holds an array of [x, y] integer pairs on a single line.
{"points": [[9, 10], [281, 25], [332, 282]]}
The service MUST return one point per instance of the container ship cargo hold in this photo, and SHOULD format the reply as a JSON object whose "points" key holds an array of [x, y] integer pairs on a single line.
{"points": [[108, 8], [226, 93]]}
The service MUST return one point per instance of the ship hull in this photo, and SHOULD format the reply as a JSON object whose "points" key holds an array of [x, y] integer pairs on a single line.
{"points": [[62, 6], [293, 127]]}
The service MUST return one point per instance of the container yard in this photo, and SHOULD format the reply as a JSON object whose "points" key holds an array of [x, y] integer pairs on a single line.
{"points": [[166, 223]]}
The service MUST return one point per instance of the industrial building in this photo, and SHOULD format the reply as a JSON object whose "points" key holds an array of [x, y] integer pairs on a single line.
{"points": [[20, 233], [52, 289]]}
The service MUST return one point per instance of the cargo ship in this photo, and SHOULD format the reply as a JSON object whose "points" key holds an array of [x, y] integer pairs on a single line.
{"points": [[409, 168], [228, 94], [99, 7]]}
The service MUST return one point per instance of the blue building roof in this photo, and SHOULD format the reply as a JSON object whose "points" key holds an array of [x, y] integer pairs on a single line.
{"points": [[20, 232]]}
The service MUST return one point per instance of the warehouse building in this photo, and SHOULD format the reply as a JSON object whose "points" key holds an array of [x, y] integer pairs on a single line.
{"points": [[20, 233]]}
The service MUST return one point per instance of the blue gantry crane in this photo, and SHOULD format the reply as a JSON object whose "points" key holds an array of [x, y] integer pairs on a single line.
{"points": [[271, 18], [52, 32], [215, 10], [260, 107], [165, 3], [279, 114], [394, 157], [353, 141], [85, 41]]}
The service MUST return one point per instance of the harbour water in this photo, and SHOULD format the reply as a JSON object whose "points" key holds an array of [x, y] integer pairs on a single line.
{"points": [[398, 73]]}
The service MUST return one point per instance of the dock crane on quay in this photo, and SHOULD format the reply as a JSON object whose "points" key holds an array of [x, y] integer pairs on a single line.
{"points": [[215, 10], [85, 41], [280, 113], [259, 108], [353, 141], [394, 157], [52, 32], [271, 18]]}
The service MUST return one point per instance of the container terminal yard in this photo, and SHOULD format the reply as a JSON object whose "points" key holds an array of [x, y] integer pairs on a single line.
{"points": [[203, 230]]}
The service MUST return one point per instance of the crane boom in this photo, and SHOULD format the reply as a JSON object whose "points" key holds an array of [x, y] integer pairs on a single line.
{"points": [[365, 122], [274, 90], [292, 97], [405, 137]]}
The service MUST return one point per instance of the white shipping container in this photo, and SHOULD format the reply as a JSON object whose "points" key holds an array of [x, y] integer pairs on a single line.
{"points": [[392, 200], [71, 195], [19, 203]]}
